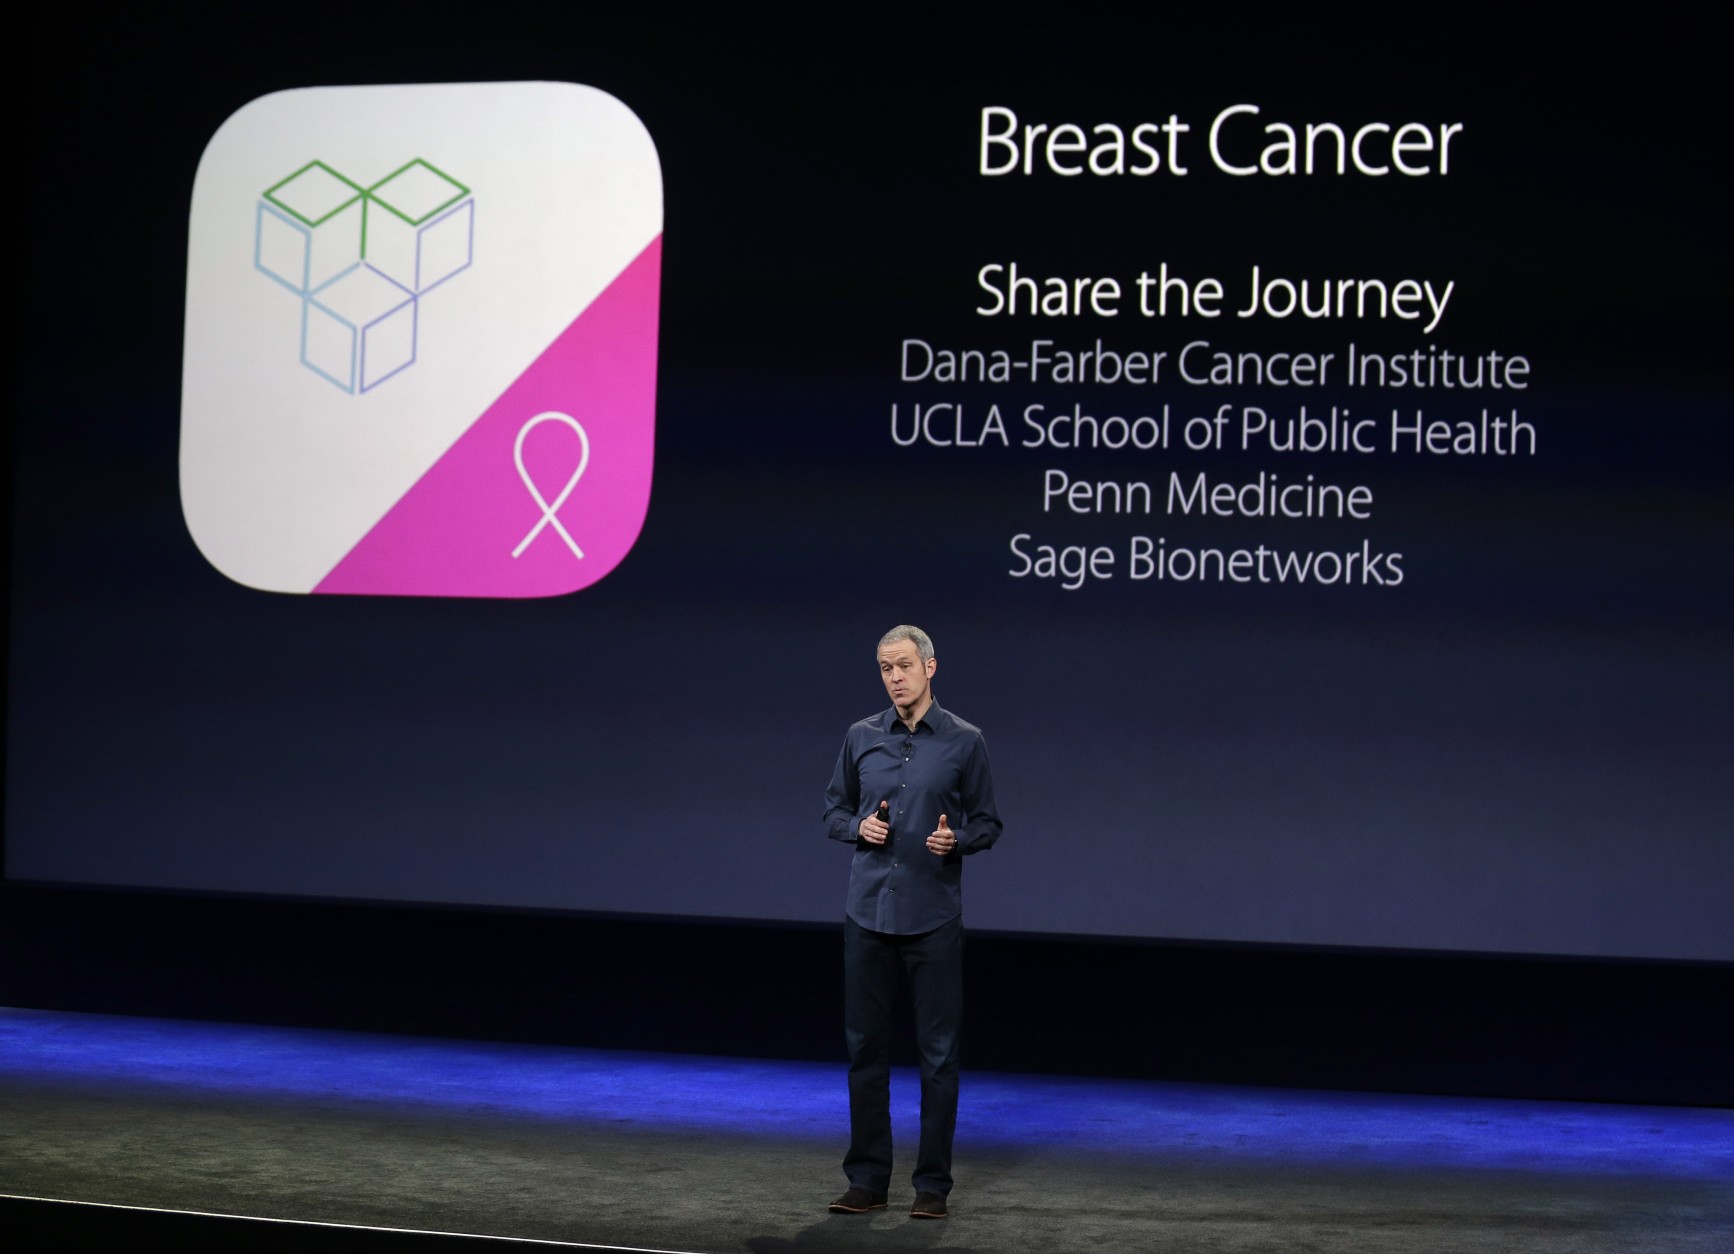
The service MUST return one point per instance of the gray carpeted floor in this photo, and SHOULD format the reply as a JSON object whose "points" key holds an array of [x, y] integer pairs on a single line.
{"points": [[173, 1129], [706, 1192]]}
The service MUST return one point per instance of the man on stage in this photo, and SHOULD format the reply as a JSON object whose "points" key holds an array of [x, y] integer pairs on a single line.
{"points": [[912, 793]]}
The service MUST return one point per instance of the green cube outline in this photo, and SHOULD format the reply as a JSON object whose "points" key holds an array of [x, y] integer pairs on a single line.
{"points": [[372, 196], [360, 193]]}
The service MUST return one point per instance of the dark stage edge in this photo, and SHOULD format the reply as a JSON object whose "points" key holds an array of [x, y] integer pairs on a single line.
{"points": [[424, 1140]]}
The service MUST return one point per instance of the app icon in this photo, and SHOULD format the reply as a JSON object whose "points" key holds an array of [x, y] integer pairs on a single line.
{"points": [[420, 354]]}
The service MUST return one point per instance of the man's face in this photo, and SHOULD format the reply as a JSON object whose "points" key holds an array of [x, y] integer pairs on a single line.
{"points": [[906, 676]]}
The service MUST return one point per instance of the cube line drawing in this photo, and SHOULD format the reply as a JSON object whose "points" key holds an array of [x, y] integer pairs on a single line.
{"points": [[361, 258], [309, 227], [418, 226], [359, 329]]}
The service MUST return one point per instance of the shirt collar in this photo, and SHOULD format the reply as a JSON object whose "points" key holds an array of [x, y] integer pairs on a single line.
{"points": [[933, 720]]}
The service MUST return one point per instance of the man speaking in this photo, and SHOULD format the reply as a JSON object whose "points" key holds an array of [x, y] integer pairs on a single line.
{"points": [[912, 793]]}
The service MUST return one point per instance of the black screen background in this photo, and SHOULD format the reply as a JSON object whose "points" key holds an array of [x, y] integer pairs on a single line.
{"points": [[1523, 748]]}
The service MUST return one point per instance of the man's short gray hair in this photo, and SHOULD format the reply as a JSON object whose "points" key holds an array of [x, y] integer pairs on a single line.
{"points": [[903, 631]]}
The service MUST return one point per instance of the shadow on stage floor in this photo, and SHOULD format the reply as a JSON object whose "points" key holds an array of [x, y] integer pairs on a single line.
{"points": [[397, 1140]]}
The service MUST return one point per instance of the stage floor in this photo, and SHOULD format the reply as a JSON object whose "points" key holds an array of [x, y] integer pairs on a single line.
{"points": [[671, 1152]]}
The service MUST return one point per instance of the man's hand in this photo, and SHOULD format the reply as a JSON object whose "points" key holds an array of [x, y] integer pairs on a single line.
{"points": [[943, 840], [876, 827]]}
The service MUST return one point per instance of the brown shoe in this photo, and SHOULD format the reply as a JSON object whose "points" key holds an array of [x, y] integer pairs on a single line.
{"points": [[928, 1206], [856, 1201]]}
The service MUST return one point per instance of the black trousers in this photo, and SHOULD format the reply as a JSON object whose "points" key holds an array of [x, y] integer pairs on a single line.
{"points": [[875, 965]]}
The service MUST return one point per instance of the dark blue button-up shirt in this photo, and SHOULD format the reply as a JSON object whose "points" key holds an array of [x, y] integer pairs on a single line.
{"points": [[939, 768]]}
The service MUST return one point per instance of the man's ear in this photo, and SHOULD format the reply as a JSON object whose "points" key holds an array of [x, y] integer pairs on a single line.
{"points": [[932, 665]]}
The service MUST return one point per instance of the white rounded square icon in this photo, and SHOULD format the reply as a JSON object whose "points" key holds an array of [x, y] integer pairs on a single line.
{"points": [[420, 353]]}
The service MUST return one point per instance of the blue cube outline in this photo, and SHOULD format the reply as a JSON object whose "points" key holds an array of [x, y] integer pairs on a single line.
{"points": [[357, 381], [265, 207], [462, 201], [469, 246]]}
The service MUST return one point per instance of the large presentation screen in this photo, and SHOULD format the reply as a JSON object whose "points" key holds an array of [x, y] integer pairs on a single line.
{"points": [[471, 457]]}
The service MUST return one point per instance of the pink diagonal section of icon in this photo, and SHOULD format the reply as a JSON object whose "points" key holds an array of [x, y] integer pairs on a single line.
{"points": [[454, 532]]}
